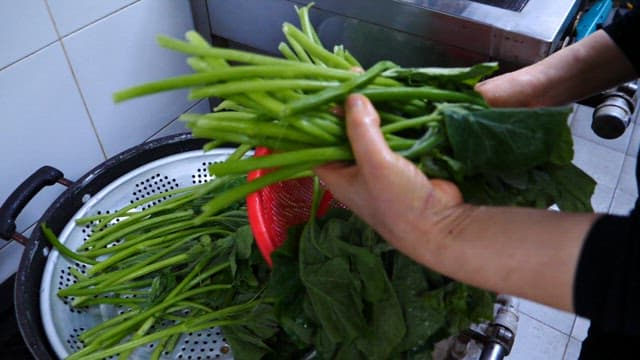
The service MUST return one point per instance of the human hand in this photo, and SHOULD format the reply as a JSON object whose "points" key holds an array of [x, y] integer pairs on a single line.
{"points": [[387, 191], [514, 89]]}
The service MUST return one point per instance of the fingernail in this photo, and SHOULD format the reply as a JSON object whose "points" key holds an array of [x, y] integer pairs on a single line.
{"points": [[355, 102]]}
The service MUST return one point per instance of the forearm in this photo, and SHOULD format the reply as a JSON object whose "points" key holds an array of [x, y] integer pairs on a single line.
{"points": [[587, 67], [582, 69], [499, 249]]}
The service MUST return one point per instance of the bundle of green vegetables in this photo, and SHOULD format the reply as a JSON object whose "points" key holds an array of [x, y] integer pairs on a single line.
{"points": [[336, 288], [431, 116]]}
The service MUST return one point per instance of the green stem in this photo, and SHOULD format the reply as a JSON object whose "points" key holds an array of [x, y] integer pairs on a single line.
{"points": [[299, 51], [333, 93], [411, 123], [232, 195], [286, 51], [65, 251], [305, 24], [253, 128], [122, 229], [316, 51], [262, 85], [315, 155], [423, 92], [144, 245]]}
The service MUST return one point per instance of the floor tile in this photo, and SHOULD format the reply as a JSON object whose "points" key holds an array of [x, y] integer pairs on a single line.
{"points": [[600, 162], [627, 182], [537, 341], [573, 350], [557, 319], [71, 15], [622, 203], [39, 128], [120, 51], [19, 38], [581, 126], [601, 199], [580, 328], [634, 144]]}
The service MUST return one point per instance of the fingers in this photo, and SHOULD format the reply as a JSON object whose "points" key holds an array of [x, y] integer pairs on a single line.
{"points": [[363, 128]]}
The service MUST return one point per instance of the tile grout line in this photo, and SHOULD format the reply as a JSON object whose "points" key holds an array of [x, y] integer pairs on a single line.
{"points": [[58, 35], [175, 118], [28, 55], [546, 324], [93, 22], [75, 80]]}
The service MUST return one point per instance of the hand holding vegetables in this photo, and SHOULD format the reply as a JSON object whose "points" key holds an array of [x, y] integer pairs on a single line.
{"points": [[526, 252], [336, 286]]}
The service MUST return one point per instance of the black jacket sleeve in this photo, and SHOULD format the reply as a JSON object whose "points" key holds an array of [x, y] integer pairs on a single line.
{"points": [[625, 32], [607, 282]]}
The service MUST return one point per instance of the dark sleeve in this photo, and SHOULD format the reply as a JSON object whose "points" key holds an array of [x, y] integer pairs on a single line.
{"points": [[607, 282], [625, 32]]}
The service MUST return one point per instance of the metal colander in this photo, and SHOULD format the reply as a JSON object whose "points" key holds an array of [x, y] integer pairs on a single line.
{"points": [[62, 323]]}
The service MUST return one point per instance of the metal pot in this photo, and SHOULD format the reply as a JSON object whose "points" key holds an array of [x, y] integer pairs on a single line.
{"points": [[29, 274]]}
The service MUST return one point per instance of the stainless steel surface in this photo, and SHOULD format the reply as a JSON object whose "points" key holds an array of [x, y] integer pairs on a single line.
{"points": [[410, 32], [493, 352], [63, 323]]}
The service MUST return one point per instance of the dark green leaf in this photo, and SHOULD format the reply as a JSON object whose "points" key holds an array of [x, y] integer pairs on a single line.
{"points": [[244, 242], [443, 77], [574, 188], [423, 318], [507, 140], [335, 298]]}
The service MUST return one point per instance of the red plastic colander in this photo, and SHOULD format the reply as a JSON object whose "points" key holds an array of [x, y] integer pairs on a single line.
{"points": [[277, 207]]}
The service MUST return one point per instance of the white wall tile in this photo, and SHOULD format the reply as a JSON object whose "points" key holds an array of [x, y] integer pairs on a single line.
{"points": [[537, 341], [557, 319], [43, 123], [25, 26], [70, 15], [10, 256], [120, 51], [177, 126], [602, 163]]}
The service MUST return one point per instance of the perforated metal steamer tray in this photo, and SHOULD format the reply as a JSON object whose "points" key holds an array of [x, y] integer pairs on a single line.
{"points": [[62, 323]]}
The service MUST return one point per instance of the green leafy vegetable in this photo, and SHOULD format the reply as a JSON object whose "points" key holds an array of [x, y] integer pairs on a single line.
{"points": [[336, 288]]}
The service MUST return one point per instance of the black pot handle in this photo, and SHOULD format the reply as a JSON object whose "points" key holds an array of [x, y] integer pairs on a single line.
{"points": [[20, 197]]}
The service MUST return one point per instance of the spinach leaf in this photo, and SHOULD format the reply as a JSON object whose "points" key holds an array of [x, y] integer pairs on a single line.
{"points": [[246, 340], [386, 327], [423, 318], [573, 188], [507, 140], [332, 289], [443, 77]]}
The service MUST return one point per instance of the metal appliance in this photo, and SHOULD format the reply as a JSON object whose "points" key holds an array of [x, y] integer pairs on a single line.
{"points": [[409, 32]]}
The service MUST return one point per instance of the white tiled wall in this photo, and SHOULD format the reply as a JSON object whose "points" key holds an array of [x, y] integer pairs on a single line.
{"points": [[60, 62]]}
